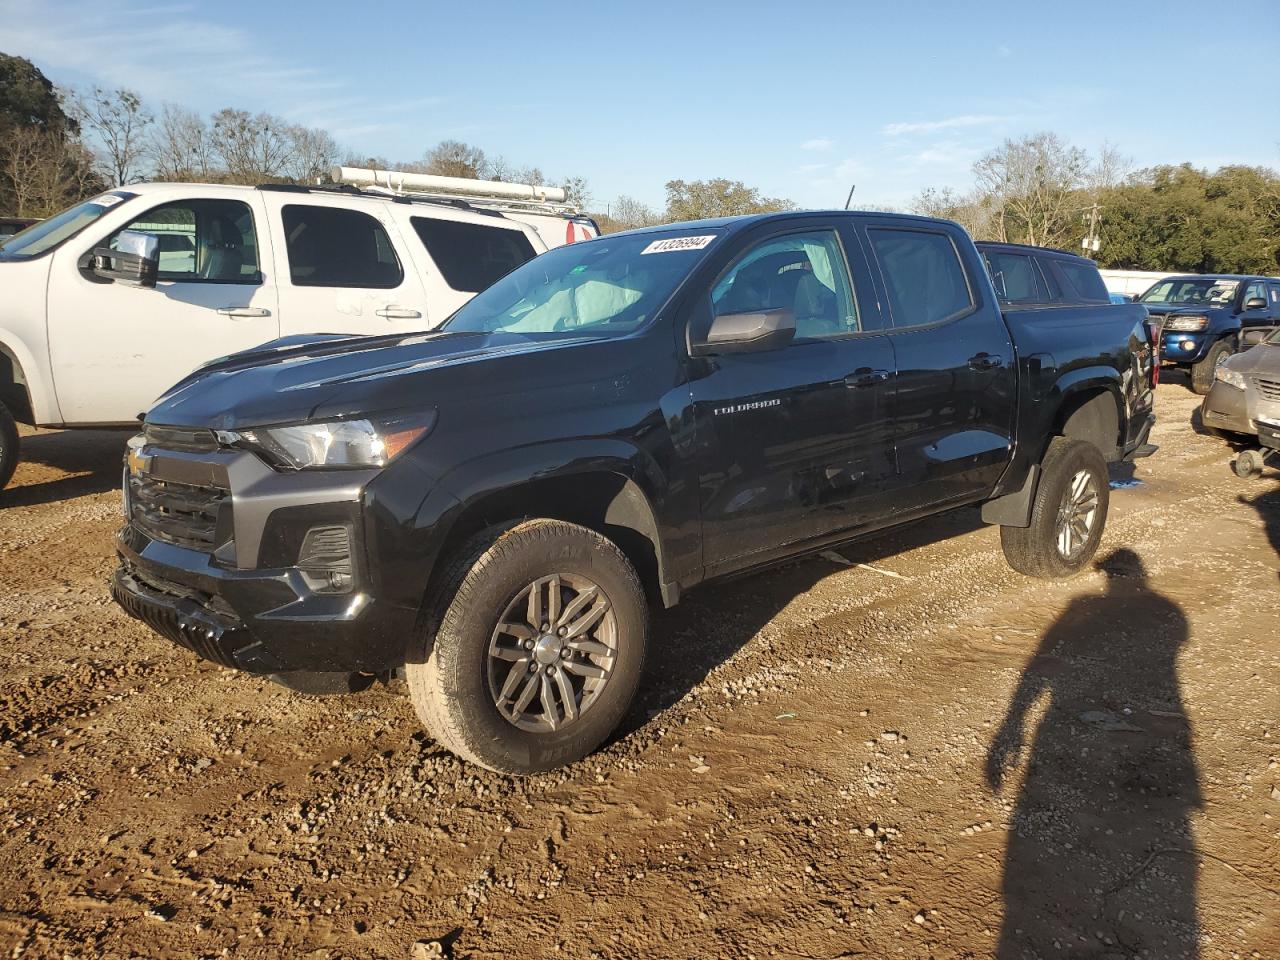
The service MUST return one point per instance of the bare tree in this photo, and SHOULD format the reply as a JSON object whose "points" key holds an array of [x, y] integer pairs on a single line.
{"points": [[46, 170], [253, 149], [453, 158], [629, 214], [117, 121], [1030, 186], [313, 152], [181, 148]]}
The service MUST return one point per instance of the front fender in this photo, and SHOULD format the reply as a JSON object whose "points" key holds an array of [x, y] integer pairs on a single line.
{"points": [[29, 371]]}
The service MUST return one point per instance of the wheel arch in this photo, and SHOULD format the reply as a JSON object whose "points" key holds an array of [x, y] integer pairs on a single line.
{"points": [[613, 492], [15, 388], [1091, 408]]}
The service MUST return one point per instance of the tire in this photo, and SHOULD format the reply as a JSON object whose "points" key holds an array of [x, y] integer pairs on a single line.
{"points": [[1248, 464], [1037, 550], [321, 684], [9, 446], [1202, 372], [467, 676]]}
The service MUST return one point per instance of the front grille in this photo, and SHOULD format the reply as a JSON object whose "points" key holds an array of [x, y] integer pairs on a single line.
{"points": [[1268, 388], [180, 438], [177, 513]]}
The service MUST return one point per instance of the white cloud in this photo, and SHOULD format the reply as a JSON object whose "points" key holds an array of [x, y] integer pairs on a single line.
{"points": [[819, 144], [950, 123], [1003, 51]]}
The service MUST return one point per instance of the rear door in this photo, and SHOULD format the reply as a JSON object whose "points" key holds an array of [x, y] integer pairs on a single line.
{"points": [[955, 399], [343, 267], [794, 443]]}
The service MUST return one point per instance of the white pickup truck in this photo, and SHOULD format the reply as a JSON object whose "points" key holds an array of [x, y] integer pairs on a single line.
{"points": [[92, 330]]}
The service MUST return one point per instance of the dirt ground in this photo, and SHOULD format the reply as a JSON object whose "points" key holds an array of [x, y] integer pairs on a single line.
{"points": [[913, 753]]}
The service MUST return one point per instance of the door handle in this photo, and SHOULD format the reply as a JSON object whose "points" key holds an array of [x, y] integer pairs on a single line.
{"points": [[985, 361], [240, 312], [866, 377], [392, 312]]}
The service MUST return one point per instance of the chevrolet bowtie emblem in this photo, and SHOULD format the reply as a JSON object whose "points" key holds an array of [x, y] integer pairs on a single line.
{"points": [[139, 463]]}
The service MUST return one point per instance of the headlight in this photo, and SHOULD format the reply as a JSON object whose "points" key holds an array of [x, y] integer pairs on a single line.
{"points": [[342, 443], [1230, 377], [1187, 324]]}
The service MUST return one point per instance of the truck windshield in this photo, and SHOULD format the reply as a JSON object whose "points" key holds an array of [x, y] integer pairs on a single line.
{"points": [[47, 234], [602, 288], [1192, 290]]}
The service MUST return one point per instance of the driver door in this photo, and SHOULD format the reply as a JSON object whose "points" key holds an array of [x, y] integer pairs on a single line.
{"points": [[116, 347], [793, 443]]}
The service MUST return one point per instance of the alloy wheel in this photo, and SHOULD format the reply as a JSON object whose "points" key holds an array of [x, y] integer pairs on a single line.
{"points": [[1077, 514]]}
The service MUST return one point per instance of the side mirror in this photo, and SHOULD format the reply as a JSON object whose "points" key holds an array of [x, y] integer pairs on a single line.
{"points": [[136, 259], [749, 332], [1256, 303]]}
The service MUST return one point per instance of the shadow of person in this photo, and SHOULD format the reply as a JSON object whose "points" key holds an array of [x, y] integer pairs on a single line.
{"points": [[1268, 506], [1100, 861]]}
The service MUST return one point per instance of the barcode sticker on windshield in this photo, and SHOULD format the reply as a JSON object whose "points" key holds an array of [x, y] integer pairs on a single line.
{"points": [[107, 200], [676, 244]]}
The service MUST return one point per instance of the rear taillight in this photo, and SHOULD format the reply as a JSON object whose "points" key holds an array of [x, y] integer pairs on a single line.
{"points": [[1153, 338]]}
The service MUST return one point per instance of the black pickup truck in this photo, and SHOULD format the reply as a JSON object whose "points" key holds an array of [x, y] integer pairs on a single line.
{"points": [[491, 506]]}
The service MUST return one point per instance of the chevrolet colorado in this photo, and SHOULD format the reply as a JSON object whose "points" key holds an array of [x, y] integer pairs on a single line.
{"points": [[490, 506]]}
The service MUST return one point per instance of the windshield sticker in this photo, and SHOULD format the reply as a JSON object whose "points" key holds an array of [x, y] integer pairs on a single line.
{"points": [[677, 244], [108, 199]]}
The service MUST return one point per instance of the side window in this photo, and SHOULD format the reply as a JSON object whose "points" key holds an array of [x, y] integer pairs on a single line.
{"points": [[202, 241], [333, 247], [802, 272], [1015, 277], [472, 256], [1082, 281], [922, 271], [1254, 290]]}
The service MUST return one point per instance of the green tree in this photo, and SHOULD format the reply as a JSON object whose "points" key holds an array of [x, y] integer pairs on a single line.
{"points": [[701, 199]]}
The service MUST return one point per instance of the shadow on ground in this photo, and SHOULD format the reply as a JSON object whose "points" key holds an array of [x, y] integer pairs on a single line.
{"points": [[712, 624], [1100, 860], [64, 464]]}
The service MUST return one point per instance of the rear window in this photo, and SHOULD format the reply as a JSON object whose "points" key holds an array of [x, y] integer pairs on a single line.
{"points": [[333, 247], [1015, 277], [923, 273], [472, 256], [1081, 281]]}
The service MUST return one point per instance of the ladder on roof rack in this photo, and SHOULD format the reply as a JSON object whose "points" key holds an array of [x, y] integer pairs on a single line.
{"points": [[490, 194]]}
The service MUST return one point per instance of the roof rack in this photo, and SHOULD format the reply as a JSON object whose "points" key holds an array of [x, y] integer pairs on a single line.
{"points": [[457, 191]]}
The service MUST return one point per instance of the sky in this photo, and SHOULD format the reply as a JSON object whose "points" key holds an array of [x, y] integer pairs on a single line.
{"points": [[801, 99]]}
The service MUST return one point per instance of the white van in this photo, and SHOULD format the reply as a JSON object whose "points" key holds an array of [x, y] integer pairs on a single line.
{"points": [[93, 330]]}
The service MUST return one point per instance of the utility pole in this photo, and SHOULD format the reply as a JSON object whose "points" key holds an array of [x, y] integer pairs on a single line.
{"points": [[1092, 243]]}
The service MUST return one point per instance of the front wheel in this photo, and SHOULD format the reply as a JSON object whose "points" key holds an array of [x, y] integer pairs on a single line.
{"points": [[1202, 373], [535, 648], [1067, 516], [8, 446]]}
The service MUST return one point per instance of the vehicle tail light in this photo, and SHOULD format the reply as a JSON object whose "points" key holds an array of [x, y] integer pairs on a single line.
{"points": [[1153, 337]]}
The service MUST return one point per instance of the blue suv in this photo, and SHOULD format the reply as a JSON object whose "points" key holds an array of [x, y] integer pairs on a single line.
{"points": [[1202, 317]]}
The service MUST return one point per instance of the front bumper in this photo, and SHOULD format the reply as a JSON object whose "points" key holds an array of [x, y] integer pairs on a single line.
{"points": [[239, 600], [1184, 347], [1227, 408]]}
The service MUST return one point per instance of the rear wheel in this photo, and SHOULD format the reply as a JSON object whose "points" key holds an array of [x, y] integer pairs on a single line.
{"points": [[537, 650], [8, 446], [1067, 516], [1202, 372]]}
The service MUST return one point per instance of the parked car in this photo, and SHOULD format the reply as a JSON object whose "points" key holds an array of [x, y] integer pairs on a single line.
{"points": [[1203, 316], [1245, 392], [487, 507], [1023, 274], [90, 334]]}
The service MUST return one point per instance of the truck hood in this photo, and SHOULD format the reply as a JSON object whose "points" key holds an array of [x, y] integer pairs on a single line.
{"points": [[1198, 310], [329, 376]]}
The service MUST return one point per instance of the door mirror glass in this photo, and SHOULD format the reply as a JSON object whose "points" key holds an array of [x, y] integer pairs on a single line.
{"points": [[135, 259], [748, 332], [1256, 303]]}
